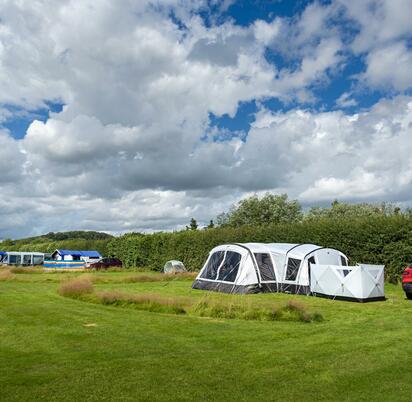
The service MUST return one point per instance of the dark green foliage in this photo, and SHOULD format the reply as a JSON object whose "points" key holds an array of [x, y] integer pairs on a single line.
{"points": [[74, 240], [373, 239], [192, 225], [339, 210], [268, 209]]}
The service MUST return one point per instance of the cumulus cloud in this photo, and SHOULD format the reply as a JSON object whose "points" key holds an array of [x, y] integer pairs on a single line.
{"points": [[390, 66], [133, 149], [383, 31]]}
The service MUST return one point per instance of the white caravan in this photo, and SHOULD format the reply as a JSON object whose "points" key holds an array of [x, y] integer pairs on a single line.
{"points": [[291, 268]]}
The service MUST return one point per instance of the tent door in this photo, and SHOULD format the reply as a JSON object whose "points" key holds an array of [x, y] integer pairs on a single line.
{"points": [[311, 261]]}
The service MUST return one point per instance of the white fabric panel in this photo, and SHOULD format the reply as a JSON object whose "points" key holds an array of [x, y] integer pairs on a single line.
{"points": [[279, 260], [362, 281], [247, 274], [327, 256]]}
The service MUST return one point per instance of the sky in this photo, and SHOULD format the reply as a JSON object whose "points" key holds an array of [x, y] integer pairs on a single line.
{"points": [[130, 115]]}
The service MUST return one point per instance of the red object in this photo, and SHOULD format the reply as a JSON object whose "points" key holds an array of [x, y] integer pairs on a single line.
{"points": [[105, 263], [407, 281]]}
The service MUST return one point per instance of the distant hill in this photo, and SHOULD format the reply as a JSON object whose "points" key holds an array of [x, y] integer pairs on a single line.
{"points": [[83, 240]]}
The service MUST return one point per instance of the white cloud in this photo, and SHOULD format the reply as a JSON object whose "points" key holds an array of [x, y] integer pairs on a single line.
{"points": [[380, 21], [383, 30], [390, 67], [132, 148], [346, 100]]}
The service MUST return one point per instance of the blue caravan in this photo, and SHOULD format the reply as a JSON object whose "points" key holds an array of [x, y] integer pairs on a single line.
{"points": [[72, 259]]}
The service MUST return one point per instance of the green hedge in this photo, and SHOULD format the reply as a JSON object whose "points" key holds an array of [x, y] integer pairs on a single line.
{"points": [[374, 240], [48, 246]]}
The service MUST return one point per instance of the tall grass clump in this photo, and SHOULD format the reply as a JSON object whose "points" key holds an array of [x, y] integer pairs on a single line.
{"points": [[150, 302], [76, 288], [6, 275], [231, 307], [27, 270], [160, 277], [246, 310]]}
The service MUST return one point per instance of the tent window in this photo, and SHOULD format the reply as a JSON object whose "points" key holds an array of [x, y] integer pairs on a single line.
{"points": [[292, 269], [264, 262], [228, 270], [344, 263], [210, 271]]}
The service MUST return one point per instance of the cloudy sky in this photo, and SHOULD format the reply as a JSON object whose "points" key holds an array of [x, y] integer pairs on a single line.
{"points": [[137, 115]]}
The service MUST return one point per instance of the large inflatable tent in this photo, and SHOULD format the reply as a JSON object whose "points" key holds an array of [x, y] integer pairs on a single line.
{"points": [[291, 268]]}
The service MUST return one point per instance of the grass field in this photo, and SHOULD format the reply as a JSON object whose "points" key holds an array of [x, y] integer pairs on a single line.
{"points": [[56, 348]]}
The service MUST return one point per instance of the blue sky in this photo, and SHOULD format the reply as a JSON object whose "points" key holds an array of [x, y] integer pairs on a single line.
{"points": [[189, 106], [244, 14]]}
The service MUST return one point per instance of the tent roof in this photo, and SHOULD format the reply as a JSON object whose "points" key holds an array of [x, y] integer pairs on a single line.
{"points": [[79, 253], [297, 250], [3, 253]]}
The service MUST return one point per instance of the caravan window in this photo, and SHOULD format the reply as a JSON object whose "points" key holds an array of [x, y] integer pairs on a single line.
{"points": [[292, 269], [264, 262], [228, 270], [213, 264], [15, 259], [343, 261], [38, 259], [27, 259]]}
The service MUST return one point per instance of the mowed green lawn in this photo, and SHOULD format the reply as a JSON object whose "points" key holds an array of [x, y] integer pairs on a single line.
{"points": [[58, 349]]}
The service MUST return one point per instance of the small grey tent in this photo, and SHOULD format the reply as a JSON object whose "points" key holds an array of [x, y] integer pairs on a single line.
{"points": [[174, 266]]}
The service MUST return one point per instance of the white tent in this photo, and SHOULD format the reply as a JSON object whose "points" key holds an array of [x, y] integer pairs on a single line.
{"points": [[285, 267], [173, 267]]}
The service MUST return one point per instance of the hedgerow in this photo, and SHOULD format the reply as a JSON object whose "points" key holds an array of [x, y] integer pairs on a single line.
{"points": [[375, 240]]}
